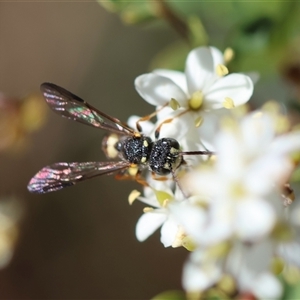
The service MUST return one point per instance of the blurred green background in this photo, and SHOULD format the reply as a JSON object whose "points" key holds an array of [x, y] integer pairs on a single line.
{"points": [[80, 242]]}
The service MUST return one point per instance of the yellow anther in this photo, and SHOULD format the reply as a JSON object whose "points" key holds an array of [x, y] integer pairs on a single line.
{"points": [[196, 100], [180, 235], [147, 209], [165, 203], [228, 103], [174, 104], [198, 121], [222, 70], [133, 196], [228, 55]]}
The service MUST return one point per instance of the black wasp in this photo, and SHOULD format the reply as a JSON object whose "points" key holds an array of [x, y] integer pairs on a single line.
{"points": [[133, 148]]}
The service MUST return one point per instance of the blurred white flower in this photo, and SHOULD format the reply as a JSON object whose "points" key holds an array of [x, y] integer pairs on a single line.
{"points": [[252, 164], [10, 214], [238, 207]]}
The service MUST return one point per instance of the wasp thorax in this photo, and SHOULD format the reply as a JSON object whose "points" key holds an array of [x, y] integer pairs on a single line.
{"points": [[136, 149], [165, 156]]}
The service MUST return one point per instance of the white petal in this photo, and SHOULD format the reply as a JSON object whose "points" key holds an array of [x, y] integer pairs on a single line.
{"points": [[158, 90], [191, 218], [238, 87], [258, 131], [230, 153], [254, 219], [176, 76], [211, 126], [168, 232], [290, 252], [267, 286], [147, 224], [267, 171], [200, 277], [246, 261], [147, 126], [201, 66], [286, 144], [176, 129]]}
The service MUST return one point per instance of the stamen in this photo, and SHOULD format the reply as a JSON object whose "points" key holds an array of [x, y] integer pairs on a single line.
{"points": [[147, 209], [133, 196], [165, 203], [228, 103], [198, 121], [180, 235], [228, 55], [196, 100], [222, 70], [174, 104]]}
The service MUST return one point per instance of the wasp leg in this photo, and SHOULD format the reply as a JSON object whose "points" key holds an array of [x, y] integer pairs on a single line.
{"points": [[148, 117], [159, 178], [132, 173], [157, 131]]}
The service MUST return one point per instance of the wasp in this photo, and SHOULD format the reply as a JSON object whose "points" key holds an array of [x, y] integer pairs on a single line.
{"points": [[133, 149]]}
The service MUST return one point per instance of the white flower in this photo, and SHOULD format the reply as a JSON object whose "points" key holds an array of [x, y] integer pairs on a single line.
{"points": [[202, 88], [158, 195], [201, 271], [248, 264], [251, 167], [237, 207]]}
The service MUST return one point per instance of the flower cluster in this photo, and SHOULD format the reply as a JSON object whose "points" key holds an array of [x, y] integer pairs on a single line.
{"points": [[232, 210]]}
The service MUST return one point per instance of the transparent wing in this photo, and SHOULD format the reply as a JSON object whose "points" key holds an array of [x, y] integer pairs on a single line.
{"points": [[60, 175], [72, 107]]}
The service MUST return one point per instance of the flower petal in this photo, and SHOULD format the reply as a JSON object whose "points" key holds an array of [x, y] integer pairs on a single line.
{"points": [[168, 232], [267, 286], [176, 76], [200, 69], [191, 218], [158, 90], [237, 87], [199, 276], [148, 223], [254, 219], [147, 126]]}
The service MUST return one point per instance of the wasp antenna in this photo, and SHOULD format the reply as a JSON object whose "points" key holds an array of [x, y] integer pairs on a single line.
{"points": [[205, 152]]}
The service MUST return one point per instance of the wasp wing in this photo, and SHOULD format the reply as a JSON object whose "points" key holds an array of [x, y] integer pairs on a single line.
{"points": [[60, 175], [74, 108]]}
